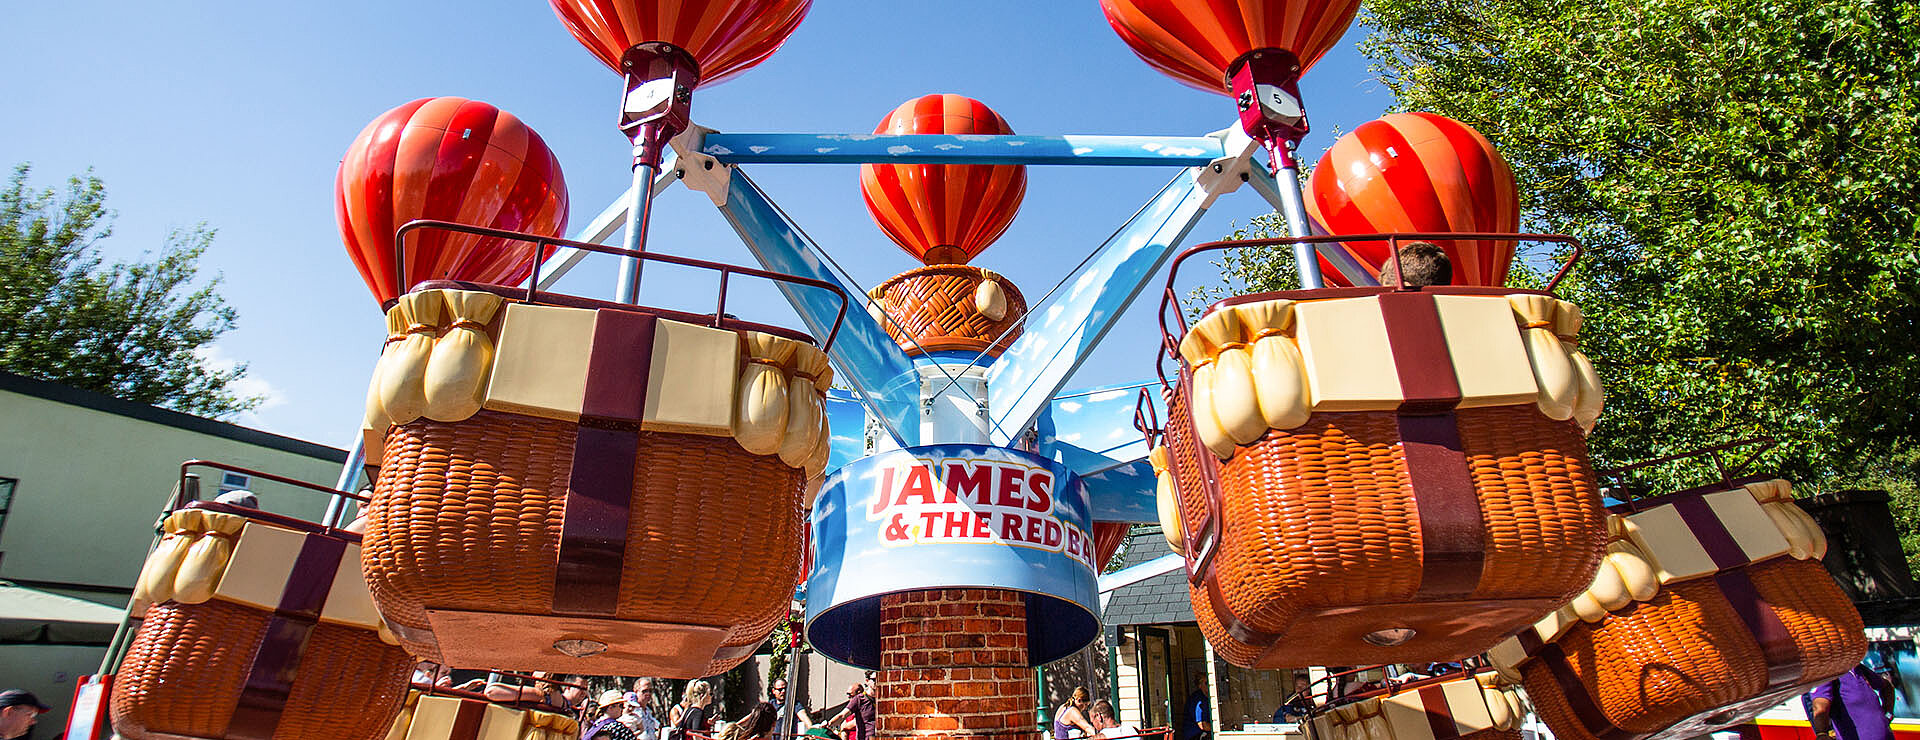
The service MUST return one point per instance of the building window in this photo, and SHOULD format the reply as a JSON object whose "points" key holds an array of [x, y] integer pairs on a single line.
{"points": [[6, 499], [233, 482]]}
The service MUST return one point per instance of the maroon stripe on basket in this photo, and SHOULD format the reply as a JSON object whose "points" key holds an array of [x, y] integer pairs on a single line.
{"points": [[1776, 643], [1433, 699], [1585, 711], [306, 591], [1712, 534], [466, 722], [270, 679], [1452, 532], [1530, 641], [593, 533], [276, 662], [617, 369], [1420, 358], [1206, 542]]}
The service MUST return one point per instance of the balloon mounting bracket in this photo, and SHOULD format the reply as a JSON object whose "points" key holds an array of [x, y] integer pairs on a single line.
{"points": [[658, 103], [1266, 90]]}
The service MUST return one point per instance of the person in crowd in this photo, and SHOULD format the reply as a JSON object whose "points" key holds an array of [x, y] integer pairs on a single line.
{"points": [[859, 711], [1298, 705], [238, 497], [802, 714], [640, 717], [19, 709], [1109, 725], [1072, 717], [543, 695], [695, 709], [1856, 706], [1423, 263], [757, 725], [575, 694], [1196, 717], [606, 725], [429, 673]]}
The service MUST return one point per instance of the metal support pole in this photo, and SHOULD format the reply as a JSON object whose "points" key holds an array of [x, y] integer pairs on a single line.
{"points": [[1043, 710], [1286, 169], [639, 211], [793, 677], [122, 635], [349, 476]]}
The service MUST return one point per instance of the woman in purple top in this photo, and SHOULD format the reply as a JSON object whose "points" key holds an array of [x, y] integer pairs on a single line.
{"points": [[1855, 706]]}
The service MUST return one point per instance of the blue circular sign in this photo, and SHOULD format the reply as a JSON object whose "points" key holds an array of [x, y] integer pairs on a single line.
{"points": [[952, 516]]}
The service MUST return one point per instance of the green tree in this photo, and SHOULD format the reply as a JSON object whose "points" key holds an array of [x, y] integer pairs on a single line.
{"points": [[1745, 175], [133, 330]]}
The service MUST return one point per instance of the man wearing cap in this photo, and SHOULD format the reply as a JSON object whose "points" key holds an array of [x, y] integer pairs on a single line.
{"points": [[607, 726], [19, 709]]}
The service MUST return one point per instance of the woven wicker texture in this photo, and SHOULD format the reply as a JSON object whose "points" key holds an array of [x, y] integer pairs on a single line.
{"points": [[1323, 517], [185, 669], [934, 306], [467, 516], [1686, 653]]}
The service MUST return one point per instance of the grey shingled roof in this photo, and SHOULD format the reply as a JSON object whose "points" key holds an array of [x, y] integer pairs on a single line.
{"points": [[1161, 599]]}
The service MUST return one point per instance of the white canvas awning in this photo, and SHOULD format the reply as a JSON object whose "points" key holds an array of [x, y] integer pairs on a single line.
{"points": [[33, 616]]}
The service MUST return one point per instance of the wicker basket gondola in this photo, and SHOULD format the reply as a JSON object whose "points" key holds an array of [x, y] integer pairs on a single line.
{"points": [[1460, 705], [256, 626], [611, 489], [1379, 475], [951, 308], [1712, 606]]}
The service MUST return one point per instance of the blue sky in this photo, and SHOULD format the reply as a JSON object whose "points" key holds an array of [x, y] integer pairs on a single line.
{"points": [[237, 113]]}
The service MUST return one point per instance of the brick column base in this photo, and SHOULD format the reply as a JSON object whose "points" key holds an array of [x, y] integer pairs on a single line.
{"points": [[954, 665]]}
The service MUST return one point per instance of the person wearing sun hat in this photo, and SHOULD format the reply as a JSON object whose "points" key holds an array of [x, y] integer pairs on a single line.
{"points": [[607, 726], [19, 709]]}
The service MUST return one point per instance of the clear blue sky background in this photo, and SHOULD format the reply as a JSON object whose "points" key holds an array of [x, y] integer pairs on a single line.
{"points": [[236, 114]]}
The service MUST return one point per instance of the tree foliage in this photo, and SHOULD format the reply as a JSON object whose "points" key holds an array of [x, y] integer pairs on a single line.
{"points": [[133, 330], [1745, 176]]}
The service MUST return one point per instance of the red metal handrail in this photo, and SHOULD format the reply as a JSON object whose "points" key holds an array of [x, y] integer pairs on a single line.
{"points": [[181, 500], [540, 244], [1171, 299], [1468, 667], [1728, 473]]}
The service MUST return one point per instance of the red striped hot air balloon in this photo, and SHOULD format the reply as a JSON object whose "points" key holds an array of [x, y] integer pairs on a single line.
{"points": [[450, 159], [1411, 172], [725, 37], [943, 213], [1195, 41]]}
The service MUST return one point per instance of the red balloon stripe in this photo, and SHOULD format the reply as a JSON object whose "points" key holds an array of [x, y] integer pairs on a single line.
{"points": [[528, 199], [943, 213], [455, 160], [1485, 172], [726, 37], [373, 153], [1406, 177], [1418, 172], [462, 143], [1193, 41]]}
